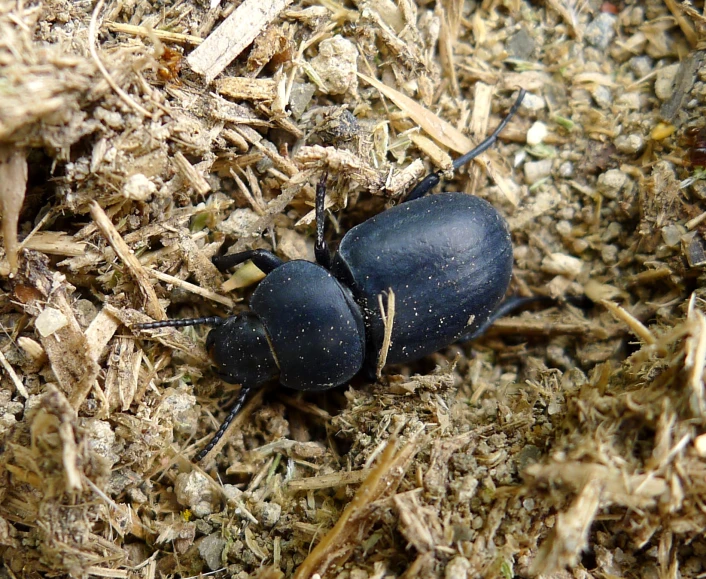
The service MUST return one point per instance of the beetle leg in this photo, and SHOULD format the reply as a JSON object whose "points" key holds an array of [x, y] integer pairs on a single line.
{"points": [[263, 259], [244, 391], [514, 303], [321, 251], [432, 180], [210, 321]]}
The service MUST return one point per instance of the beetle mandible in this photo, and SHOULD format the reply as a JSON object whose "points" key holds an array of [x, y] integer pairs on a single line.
{"points": [[446, 257]]}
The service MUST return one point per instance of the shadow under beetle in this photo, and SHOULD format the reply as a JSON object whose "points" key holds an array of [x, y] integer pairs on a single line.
{"points": [[446, 257]]}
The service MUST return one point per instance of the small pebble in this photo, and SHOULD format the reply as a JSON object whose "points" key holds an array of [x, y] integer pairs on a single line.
{"points": [[85, 311], [700, 445], [564, 228], [181, 407], [537, 170], [101, 439], [300, 98], [138, 188], [562, 264], [211, 550], [629, 100], [611, 183], [533, 102], [609, 254], [137, 495], [239, 222], [269, 514], [601, 31], [232, 492], [630, 144], [664, 81], [521, 44], [671, 234], [337, 65], [457, 568], [264, 164], [194, 490], [50, 321], [566, 170], [611, 232], [640, 66], [603, 97], [537, 133]]}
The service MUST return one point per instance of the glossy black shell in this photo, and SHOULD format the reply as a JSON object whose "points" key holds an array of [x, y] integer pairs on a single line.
{"points": [[447, 258], [315, 328]]}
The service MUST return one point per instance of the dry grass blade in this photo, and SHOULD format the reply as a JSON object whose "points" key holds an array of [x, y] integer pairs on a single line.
{"points": [[437, 128], [635, 325], [388, 319], [570, 534], [335, 547], [686, 26], [21, 390], [141, 277], [145, 32]]}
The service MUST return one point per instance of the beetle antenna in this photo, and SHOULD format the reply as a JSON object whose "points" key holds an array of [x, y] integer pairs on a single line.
{"points": [[433, 179], [244, 391], [208, 321], [490, 141]]}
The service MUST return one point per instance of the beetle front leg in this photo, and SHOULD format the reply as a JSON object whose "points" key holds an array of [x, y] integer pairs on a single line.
{"points": [[265, 260], [321, 251]]}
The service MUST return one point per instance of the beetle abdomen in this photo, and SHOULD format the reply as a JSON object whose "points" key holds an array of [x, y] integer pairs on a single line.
{"points": [[315, 327], [447, 258]]}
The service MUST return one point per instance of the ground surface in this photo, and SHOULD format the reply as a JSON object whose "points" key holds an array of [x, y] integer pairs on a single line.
{"points": [[566, 442]]}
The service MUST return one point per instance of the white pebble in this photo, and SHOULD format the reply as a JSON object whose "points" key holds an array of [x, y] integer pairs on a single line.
{"points": [[49, 321], [537, 133], [138, 188]]}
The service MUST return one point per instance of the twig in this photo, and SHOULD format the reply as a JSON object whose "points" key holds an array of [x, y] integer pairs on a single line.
{"points": [[92, 40]]}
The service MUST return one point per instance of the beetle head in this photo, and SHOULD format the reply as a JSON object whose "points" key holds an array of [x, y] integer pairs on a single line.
{"points": [[240, 349]]}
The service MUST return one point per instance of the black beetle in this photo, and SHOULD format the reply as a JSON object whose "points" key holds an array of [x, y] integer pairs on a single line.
{"points": [[447, 258]]}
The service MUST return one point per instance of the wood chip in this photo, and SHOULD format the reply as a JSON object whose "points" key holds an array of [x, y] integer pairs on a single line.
{"points": [[55, 243], [249, 89], [570, 535], [190, 174], [99, 333], [328, 481], [233, 36]]}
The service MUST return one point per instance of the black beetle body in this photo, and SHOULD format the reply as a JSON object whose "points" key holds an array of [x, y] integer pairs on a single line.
{"points": [[447, 258]]}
